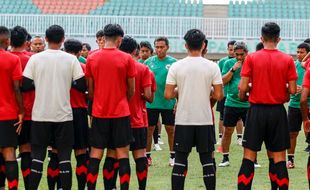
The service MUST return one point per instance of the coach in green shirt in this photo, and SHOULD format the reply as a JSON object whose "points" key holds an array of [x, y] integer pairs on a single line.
{"points": [[160, 65], [234, 109]]}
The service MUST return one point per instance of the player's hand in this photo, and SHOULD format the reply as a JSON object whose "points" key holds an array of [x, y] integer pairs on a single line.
{"points": [[175, 108], [237, 65], [306, 124], [19, 123], [299, 88]]}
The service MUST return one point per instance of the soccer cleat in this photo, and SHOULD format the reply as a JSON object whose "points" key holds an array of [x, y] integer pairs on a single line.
{"points": [[224, 163], [171, 162], [290, 165], [157, 147], [219, 142], [149, 161], [257, 165], [160, 141], [239, 141]]}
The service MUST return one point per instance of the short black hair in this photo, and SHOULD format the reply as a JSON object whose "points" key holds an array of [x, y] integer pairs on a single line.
{"points": [[271, 31], [99, 34], [87, 46], [55, 34], [73, 46], [194, 39], [4, 35], [162, 38], [113, 30], [128, 45], [305, 46], [307, 41], [29, 37], [231, 43], [259, 46], [18, 36], [147, 45]]}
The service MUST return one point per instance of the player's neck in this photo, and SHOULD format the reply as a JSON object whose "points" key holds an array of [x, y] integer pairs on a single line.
{"points": [[54, 46], [194, 53], [18, 49], [109, 44], [270, 45], [162, 58]]}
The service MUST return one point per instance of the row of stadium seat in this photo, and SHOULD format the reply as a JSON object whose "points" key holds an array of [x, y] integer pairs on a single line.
{"points": [[278, 9]]}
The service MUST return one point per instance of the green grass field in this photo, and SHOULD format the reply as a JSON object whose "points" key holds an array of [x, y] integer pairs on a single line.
{"points": [[159, 177]]}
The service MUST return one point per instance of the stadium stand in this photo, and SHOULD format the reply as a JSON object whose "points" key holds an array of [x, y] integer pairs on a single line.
{"points": [[277, 9], [18, 7], [105, 7]]}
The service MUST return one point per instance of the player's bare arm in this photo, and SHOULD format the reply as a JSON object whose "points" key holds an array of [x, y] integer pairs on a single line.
{"points": [[170, 92], [244, 88], [131, 87], [19, 101]]}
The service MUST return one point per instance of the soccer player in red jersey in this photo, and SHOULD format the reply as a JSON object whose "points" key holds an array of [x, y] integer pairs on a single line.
{"points": [[18, 44], [273, 77], [305, 111], [11, 107], [111, 84]]}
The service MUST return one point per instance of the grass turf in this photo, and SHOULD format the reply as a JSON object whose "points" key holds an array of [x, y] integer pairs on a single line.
{"points": [[159, 177]]}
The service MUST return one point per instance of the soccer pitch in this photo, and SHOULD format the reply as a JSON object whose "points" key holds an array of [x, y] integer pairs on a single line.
{"points": [[159, 177]]}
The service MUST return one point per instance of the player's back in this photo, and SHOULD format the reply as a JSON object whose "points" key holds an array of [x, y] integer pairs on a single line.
{"points": [[269, 71], [110, 68]]}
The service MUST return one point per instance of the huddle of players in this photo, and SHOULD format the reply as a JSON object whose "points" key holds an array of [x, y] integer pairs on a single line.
{"points": [[53, 119]]}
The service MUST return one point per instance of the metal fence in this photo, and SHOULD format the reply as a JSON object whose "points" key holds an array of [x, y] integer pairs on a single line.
{"points": [[148, 27]]}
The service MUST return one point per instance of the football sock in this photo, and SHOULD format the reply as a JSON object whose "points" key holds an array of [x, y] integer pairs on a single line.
{"points": [[108, 173], [179, 171], [11, 170], [272, 175], [25, 167], [282, 175], [52, 171], [93, 169], [141, 172], [2, 171], [246, 174], [207, 163], [124, 173], [81, 170]]}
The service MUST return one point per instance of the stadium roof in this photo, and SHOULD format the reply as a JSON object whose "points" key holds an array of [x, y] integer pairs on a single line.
{"points": [[219, 2]]}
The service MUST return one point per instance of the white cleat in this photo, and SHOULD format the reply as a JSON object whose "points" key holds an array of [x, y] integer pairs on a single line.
{"points": [[160, 141], [224, 164], [239, 141], [257, 165], [219, 142], [157, 147]]}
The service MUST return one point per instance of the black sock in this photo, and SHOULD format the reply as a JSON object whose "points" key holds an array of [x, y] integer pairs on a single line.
{"points": [[108, 173], [209, 179], [141, 172], [220, 135], [226, 156], [52, 171], [124, 173], [38, 154], [214, 163], [272, 175], [246, 174], [291, 157], [81, 170], [2, 171], [172, 154], [11, 171], [93, 169], [282, 175], [116, 169], [25, 167], [308, 170], [159, 136], [239, 136], [148, 155], [65, 174], [179, 171], [155, 135]]}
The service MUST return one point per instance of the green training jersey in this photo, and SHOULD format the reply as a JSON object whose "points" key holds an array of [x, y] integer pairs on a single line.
{"points": [[232, 98], [82, 60], [295, 99], [141, 60], [221, 65], [160, 69]]}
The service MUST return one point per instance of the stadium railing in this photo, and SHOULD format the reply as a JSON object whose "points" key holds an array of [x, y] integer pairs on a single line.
{"points": [[148, 27]]}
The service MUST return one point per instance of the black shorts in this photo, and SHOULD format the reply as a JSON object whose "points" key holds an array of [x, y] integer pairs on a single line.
{"points": [[110, 133], [266, 123], [186, 137], [140, 138], [8, 135], [220, 108], [24, 136], [233, 114], [294, 118], [166, 115], [80, 125], [61, 134]]}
